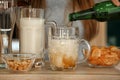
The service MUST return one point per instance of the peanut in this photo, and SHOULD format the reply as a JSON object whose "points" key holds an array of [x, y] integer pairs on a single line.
{"points": [[19, 65]]}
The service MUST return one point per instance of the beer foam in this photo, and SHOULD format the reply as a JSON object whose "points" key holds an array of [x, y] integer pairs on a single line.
{"points": [[32, 35], [63, 53]]}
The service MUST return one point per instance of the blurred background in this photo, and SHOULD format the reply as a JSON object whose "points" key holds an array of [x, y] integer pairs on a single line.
{"points": [[109, 31]]}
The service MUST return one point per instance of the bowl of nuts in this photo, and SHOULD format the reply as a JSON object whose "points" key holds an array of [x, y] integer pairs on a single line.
{"points": [[104, 56], [19, 62]]}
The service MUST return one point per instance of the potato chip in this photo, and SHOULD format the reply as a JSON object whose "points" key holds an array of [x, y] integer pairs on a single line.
{"points": [[104, 56]]}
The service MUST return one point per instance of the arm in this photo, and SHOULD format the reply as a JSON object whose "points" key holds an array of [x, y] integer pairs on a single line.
{"points": [[116, 2]]}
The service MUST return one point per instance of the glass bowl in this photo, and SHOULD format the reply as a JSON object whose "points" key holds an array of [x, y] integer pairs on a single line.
{"points": [[104, 56], [19, 62]]}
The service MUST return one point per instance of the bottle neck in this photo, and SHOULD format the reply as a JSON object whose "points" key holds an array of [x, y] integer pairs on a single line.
{"points": [[82, 15]]}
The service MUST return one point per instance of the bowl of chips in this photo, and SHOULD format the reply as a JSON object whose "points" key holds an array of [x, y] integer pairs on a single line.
{"points": [[104, 56]]}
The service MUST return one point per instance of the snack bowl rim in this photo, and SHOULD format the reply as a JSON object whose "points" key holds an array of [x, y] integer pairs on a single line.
{"points": [[17, 57]]}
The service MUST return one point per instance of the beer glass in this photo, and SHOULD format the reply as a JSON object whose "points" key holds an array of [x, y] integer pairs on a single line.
{"points": [[64, 48], [31, 27]]}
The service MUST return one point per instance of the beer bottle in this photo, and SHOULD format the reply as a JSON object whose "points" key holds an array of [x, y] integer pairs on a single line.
{"points": [[102, 11]]}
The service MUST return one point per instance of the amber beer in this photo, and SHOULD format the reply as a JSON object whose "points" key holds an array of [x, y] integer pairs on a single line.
{"points": [[64, 53], [64, 48]]}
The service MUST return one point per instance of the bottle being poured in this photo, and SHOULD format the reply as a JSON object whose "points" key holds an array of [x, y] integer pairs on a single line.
{"points": [[102, 11]]}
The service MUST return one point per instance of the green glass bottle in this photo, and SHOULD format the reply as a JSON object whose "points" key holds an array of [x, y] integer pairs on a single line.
{"points": [[102, 11]]}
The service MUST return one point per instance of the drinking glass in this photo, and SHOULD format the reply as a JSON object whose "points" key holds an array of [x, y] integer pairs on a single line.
{"points": [[7, 21], [4, 4], [30, 22], [65, 48]]}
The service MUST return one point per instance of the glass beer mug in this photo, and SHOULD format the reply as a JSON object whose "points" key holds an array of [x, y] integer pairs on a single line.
{"points": [[65, 48]]}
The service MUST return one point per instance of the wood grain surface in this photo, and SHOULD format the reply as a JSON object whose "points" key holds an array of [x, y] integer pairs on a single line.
{"points": [[82, 72]]}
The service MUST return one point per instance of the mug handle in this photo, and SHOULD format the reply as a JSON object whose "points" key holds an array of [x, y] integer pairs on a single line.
{"points": [[51, 23], [53, 26], [85, 49]]}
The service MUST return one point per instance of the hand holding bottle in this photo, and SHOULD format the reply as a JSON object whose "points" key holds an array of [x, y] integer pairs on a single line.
{"points": [[116, 2]]}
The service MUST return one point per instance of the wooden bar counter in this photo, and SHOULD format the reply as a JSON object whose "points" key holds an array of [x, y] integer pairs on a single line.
{"points": [[83, 72]]}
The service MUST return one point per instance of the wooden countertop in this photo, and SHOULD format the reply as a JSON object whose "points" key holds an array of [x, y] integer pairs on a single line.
{"points": [[83, 72]]}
